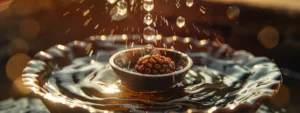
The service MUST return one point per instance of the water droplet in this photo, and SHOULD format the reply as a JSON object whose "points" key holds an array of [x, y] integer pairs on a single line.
{"points": [[180, 21], [202, 10], [189, 3], [111, 1], [65, 14], [233, 12], [148, 19], [149, 33], [86, 12], [96, 26], [177, 4], [119, 12], [148, 5], [122, 7], [87, 22]]}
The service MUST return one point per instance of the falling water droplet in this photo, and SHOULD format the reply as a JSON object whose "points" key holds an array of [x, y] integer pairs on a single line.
{"points": [[96, 26], [177, 4], [87, 22], [132, 2], [86, 12], [149, 33], [189, 3], [180, 21], [111, 1], [233, 12], [148, 19], [202, 9], [148, 5], [119, 12], [122, 7], [124, 37], [65, 14]]}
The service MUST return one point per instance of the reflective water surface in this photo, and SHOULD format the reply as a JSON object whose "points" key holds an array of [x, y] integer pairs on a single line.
{"points": [[78, 75]]}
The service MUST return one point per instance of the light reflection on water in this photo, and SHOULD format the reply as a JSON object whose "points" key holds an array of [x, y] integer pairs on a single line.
{"points": [[220, 82]]}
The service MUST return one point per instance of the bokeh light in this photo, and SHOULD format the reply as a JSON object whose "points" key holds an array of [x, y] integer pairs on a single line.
{"points": [[29, 28], [15, 65], [103, 37], [233, 12], [19, 87], [282, 98], [158, 37], [18, 45], [268, 37], [124, 37]]}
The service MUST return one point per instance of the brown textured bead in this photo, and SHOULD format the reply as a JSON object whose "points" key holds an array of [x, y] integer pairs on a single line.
{"points": [[149, 65], [155, 64], [147, 70], [162, 70], [152, 61]]}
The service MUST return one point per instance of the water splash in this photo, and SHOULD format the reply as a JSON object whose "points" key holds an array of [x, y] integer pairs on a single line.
{"points": [[86, 23], [202, 10], [86, 12]]}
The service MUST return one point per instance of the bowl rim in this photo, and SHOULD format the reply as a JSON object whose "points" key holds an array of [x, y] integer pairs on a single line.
{"points": [[186, 68]]}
